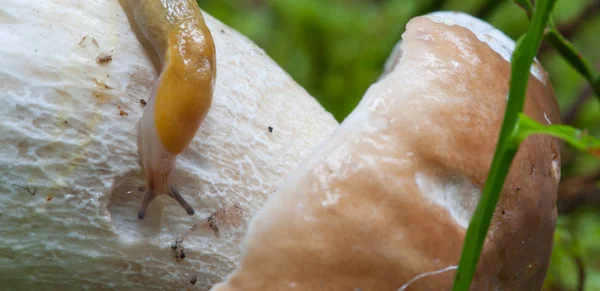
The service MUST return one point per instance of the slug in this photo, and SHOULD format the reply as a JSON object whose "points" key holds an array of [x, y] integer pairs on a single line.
{"points": [[182, 95]]}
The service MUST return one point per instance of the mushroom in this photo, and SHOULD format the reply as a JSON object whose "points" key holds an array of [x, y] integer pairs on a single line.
{"points": [[63, 138], [385, 202]]}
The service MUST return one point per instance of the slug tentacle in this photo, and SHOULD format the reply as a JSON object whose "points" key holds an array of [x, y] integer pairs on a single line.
{"points": [[182, 96], [148, 197], [177, 196]]}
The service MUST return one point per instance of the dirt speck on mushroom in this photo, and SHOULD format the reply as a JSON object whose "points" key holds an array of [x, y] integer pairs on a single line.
{"points": [[178, 250], [101, 84], [226, 216], [81, 41], [104, 58], [122, 112], [26, 188]]}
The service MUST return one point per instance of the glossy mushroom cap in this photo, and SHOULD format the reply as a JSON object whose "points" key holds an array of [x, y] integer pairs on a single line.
{"points": [[384, 204]]}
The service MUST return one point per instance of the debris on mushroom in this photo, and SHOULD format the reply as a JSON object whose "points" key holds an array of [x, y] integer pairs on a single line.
{"points": [[26, 188], [102, 84], [385, 202], [178, 249], [104, 58], [226, 216], [122, 112], [82, 39]]}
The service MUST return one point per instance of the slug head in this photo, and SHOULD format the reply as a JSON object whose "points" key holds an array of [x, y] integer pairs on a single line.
{"points": [[156, 161]]}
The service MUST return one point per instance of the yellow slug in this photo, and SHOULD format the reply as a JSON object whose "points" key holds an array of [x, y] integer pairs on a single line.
{"points": [[183, 93]]}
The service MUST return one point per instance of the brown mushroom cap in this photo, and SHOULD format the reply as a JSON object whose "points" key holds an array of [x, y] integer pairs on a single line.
{"points": [[387, 199]]}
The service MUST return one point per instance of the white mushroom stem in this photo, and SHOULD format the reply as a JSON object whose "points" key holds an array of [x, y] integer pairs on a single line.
{"points": [[68, 131]]}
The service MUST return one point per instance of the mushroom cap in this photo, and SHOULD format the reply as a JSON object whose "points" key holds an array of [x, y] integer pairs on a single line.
{"points": [[384, 204], [68, 131]]}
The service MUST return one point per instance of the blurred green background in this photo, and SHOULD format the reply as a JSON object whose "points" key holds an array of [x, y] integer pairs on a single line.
{"points": [[336, 48]]}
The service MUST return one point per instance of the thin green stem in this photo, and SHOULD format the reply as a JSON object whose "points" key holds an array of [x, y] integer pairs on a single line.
{"points": [[573, 136], [569, 52], [506, 149], [566, 49]]}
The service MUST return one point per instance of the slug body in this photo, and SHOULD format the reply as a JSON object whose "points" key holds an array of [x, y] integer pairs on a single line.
{"points": [[182, 96]]}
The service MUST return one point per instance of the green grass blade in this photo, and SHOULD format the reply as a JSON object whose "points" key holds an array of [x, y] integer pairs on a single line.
{"points": [[569, 52], [566, 50], [526, 5], [573, 136], [525, 51]]}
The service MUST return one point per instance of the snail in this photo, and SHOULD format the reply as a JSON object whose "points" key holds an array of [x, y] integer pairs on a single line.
{"points": [[182, 95]]}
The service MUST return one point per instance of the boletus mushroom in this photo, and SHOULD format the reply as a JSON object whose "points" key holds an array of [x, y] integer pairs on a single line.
{"points": [[68, 135], [385, 202]]}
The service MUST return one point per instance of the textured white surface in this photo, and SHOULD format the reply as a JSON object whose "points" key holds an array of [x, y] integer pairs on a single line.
{"points": [[63, 135]]}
